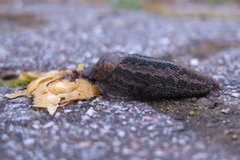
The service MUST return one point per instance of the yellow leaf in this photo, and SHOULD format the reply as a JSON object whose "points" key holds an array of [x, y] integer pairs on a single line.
{"points": [[53, 89], [29, 75], [62, 86], [51, 76], [52, 110], [46, 100], [80, 67], [16, 94], [84, 91]]}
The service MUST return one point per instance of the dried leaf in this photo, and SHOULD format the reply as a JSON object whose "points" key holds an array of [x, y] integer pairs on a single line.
{"points": [[16, 94], [51, 90], [49, 77], [29, 75], [84, 90], [23, 79], [45, 100], [62, 86], [80, 67], [52, 110]]}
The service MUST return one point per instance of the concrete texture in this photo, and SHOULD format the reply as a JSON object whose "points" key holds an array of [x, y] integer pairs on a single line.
{"points": [[45, 37]]}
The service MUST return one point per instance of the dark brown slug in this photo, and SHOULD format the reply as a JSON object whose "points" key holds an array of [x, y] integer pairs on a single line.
{"points": [[141, 77]]}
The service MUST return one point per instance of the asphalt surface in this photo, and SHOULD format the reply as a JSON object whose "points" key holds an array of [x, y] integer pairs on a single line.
{"points": [[45, 37]]}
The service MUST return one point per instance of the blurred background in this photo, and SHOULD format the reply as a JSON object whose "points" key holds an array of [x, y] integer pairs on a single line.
{"points": [[177, 8], [44, 35]]}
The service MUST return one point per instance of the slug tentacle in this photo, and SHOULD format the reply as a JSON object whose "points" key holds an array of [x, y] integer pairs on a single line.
{"points": [[144, 77]]}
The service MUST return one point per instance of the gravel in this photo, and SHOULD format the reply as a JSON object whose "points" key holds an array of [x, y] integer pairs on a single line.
{"points": [[66, 35]]}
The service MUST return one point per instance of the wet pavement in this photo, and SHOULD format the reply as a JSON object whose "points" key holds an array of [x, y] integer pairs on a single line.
{"points": [[45, 37]]}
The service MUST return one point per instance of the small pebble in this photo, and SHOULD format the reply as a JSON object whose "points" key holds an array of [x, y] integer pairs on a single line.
{"points": [[204, 102], [48, 125], [225, 110], [84, 144], [237, 95], [194, 62], [90, 112], [121, 133], [28, 141], [234, 137]]}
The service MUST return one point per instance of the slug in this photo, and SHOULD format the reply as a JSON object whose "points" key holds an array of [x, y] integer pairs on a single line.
{"points": [[140, 77]]}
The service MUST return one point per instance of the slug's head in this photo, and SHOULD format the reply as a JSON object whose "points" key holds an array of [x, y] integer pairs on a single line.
{"points": [[105, 66]]}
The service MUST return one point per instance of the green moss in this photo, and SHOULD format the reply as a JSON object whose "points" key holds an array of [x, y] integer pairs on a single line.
{"points": [[125, 4], [193, 113], [165, 10], [196, 112], [1, 82], [15, 82], [217, 2]]}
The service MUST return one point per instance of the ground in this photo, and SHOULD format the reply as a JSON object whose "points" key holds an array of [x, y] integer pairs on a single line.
{"points": [[56, 36]]}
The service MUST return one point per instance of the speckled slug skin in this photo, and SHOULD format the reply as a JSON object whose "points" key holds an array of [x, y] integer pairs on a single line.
{"points": [[142, 77]]}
